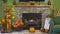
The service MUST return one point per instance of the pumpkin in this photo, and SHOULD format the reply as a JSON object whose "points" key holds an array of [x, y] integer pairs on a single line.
{"points": [[18, 23], [42, 29], [15, 25], [32, 29], [21, 23], [46, 30]]}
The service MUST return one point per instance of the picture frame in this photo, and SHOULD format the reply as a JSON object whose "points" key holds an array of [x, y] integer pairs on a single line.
{"points": [[57, 12]]}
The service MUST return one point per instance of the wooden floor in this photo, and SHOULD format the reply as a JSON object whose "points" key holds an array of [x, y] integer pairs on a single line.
{"points": [[27, 32]]}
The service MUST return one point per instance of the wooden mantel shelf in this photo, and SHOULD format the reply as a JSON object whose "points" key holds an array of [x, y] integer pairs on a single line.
{"points": [[32, 5]]}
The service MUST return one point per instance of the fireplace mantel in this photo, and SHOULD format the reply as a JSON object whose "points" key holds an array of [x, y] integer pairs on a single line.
{"points": [[32, 6], [19, 9]]}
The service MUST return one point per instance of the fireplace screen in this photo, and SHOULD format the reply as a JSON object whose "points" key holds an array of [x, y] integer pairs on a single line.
{"points": [[32, 19]]}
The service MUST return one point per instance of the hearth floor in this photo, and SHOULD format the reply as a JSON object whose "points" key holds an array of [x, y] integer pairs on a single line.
{"points": [[27, 32]]}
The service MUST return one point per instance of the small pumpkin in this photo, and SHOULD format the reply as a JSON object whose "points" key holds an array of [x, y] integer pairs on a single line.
{"points": [[42, 29], [32, 29], [15, 25], [21, 23], [46, 30], [18, 23]]}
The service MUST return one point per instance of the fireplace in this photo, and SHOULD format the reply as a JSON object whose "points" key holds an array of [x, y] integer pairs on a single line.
{"points": [[27, 12], [32, 19]]}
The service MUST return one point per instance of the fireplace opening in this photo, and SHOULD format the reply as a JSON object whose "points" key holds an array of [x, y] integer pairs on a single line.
{"points": [[32, 19]]}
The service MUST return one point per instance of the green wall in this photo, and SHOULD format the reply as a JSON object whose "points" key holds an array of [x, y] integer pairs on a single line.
{"points": [[55, 4], [2, 6]]}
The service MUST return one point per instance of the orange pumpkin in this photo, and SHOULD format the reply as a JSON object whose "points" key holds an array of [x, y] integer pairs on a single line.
{"points": [[32, 29], [15, 25], [21, 23], [18, 23], [46, 30]]}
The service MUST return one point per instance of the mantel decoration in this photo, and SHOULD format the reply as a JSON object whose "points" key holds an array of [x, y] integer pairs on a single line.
{"points": [[49, 2], [14, 2], [8, 20]]}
